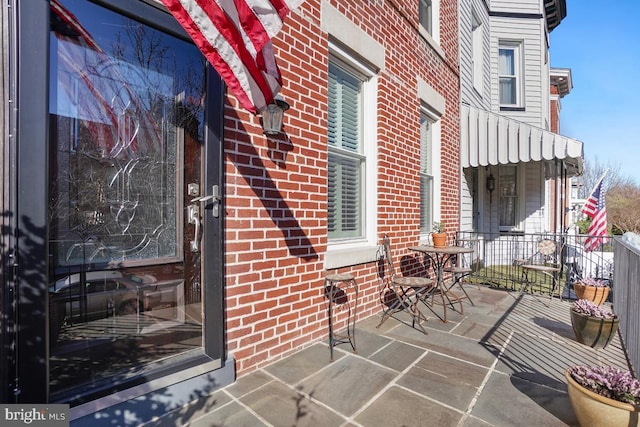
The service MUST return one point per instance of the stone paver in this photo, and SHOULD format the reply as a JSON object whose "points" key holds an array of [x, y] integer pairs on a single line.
{"points": [[499, 363]]}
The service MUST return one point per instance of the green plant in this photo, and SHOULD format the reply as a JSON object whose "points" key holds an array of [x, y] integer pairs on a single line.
{"points": [[438, 227]]}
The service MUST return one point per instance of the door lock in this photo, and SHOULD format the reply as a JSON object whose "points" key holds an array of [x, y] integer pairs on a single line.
{"points": [[215, 200]]}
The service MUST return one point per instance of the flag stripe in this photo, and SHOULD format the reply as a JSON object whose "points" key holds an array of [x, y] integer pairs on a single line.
{"points": [[95, 79], [235, 37], [595, 209]]}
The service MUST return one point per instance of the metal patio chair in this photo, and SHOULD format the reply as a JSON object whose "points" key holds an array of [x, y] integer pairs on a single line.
{"points": [[548, 254], [406, 291]]}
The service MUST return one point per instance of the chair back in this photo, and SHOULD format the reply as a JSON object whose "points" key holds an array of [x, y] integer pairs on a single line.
{"points": [[548, 249], [386, 243]]}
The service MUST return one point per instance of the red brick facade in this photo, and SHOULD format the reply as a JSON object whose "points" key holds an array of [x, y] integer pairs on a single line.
{"points": [[275, 189]]}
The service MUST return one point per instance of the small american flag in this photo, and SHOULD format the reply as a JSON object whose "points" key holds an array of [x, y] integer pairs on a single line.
{"points": [[595, 209], [235, 37]]}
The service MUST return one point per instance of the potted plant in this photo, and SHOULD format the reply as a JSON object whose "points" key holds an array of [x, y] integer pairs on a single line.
{"points": [[603, 396], [592, 324], [594, 290], [438, 235]]}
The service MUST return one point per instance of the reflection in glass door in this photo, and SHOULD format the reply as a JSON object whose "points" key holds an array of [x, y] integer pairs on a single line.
{"points": [[125, 161]]}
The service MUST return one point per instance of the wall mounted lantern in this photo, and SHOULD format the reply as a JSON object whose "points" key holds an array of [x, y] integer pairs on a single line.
{"points": [[491, 185], [272, 116]]}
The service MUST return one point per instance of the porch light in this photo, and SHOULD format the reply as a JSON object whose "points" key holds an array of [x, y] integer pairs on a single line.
{"points": [[491, 183], [272, 116]]}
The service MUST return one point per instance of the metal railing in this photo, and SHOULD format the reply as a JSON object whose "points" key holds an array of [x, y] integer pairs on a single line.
{"points": [[497, 259], [626, 278]]}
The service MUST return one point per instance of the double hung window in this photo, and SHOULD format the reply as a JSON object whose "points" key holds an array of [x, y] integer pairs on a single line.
{"points": [[347, 157], [428, 17], [426, 172], [510, 74], [509, 200]]}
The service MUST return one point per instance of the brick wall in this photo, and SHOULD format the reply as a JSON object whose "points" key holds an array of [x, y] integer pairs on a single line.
{"points": [[276, 187]]}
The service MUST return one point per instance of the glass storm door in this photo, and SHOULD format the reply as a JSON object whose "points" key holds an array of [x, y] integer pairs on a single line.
{"points": [[126, 197]]}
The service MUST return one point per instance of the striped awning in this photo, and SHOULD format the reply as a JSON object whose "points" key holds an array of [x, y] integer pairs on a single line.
{"points": [[487, 138]]}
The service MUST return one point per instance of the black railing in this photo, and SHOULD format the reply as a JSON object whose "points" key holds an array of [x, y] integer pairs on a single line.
{"points": [[626, 278], [498, 257]]}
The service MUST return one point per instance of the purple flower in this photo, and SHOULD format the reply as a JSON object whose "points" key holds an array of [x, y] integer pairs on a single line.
{"points": [[589, 281], [610, 382], [587, 307]]}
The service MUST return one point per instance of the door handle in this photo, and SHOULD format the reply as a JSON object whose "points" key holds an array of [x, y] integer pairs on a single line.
{"points": [[193, 217], [214, 197]]}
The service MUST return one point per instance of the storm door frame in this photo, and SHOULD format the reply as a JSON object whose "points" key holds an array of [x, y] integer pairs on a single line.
{"points": [[24, 351]]}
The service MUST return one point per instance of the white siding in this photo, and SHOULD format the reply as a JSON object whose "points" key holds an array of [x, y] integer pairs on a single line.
{"points": [[516, 6], [468, 94], [511, 20], [531, 33], [534, 198], [469, 188]]}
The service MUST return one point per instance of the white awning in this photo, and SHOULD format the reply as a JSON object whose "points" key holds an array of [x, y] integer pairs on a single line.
{"points": [[487, 138]]}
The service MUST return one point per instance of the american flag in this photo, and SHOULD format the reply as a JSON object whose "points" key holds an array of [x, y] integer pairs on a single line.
{"points": [[97, 88], [595, 209], [235, 37]]}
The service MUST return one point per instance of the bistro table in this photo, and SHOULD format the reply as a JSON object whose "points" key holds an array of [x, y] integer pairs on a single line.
{"points": [[439, 257]]}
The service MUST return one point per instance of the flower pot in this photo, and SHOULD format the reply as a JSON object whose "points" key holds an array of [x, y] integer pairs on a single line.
{"points": [[592, 409], [593, 331], [439, 239], [595, 294]]}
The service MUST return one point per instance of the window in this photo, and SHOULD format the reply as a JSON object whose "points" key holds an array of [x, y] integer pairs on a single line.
{"points": [[477, 53], [426, 172], [508, 191], [509, 72], [428, 13], [425, 13], [349, 156]]}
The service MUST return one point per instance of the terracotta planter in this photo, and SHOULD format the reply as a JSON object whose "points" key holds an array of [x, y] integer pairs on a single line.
{"points": [[591, 409], [592, 331], [595, 294], [439, 239]]}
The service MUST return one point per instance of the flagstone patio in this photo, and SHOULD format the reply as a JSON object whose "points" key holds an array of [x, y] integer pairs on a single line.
{"points": [[500, 363]]}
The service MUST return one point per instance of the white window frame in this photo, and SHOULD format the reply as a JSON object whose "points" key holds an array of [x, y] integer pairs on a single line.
{"points": [[355, 250], [477, 53], [431, 31], [519, 197], [427, 165], [517, 76]]}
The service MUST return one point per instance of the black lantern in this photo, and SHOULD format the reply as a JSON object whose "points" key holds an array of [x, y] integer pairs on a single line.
{"points": [[491, 183], [272, 116]]}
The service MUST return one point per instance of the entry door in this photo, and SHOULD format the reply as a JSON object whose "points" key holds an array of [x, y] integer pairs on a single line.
{"points": [[129, 200]]}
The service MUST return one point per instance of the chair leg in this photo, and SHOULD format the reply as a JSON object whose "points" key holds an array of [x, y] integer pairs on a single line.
{"points": [[404, 302], [458, 281]]}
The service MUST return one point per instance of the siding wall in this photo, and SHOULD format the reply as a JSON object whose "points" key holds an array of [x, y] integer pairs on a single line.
{"points": [[276, 203], [470, 95], [530, 31], [512, 20]]}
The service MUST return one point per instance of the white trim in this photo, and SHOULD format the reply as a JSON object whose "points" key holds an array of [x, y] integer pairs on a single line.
{"points": [[477, 52], [363, 249], [518, 63], [434, 106]]}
